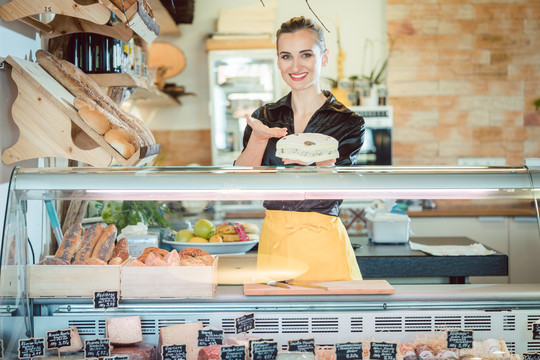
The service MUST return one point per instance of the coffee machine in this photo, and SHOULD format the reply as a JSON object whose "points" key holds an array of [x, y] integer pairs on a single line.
{"points": [[377, 147]]}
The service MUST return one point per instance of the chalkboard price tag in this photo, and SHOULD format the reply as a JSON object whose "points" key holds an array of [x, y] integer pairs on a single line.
{"points": [[97, 348], [105, 299], [244, 323], [31, 348], [349, 351], [233, 353], [207, 337], [251, 341], [536, 330], [302, 345], [117, 357], [59, 338], [382, 350], [459, 339], [264, 350], [531, 356], [174, 352]]}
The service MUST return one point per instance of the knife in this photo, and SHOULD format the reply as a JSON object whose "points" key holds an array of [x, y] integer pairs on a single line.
{"points": [[303, 284], [277, 284]]}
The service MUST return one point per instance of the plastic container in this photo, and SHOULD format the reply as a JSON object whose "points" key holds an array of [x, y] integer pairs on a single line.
{"points": [[388, 228]]}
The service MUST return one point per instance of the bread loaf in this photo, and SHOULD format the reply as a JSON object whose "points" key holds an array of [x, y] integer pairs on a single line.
{"points": [[70, 243], [116, 261], [88, 242], [121, 249], [105, 245], [90, 261], [52, 261], [81, 85], [119, 140]]}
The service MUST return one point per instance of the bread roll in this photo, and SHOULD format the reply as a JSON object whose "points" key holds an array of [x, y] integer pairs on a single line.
{"points": [[70, 243], [120, 142], [116, 261]]}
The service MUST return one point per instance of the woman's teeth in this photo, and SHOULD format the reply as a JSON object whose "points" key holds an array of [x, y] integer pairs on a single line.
{"points": [[298, 76]]}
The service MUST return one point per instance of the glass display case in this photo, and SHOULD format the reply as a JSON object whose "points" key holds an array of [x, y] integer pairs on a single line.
{"points": [[29, 310]]}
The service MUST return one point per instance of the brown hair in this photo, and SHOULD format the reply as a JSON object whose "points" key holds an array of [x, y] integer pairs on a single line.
{"points": [[300, 23]]}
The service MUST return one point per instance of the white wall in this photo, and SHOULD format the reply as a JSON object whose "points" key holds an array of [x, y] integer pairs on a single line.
{"points": [[361, 22]]}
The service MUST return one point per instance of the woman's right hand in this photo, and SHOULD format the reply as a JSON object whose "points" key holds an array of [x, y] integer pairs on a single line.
{"points": [[263, 132]]}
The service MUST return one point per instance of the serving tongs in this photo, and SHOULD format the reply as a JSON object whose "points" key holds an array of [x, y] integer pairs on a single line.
{"points": [[285, 284]]}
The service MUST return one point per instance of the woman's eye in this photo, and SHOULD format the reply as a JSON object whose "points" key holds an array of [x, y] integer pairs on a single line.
{"points": [[285, 57], [306, 55]]}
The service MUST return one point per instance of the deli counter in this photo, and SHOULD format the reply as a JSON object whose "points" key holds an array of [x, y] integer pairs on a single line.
{"points": [[38, 299]]}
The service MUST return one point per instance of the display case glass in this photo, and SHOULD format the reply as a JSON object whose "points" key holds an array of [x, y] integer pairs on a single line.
{"points": [[228, 194]]}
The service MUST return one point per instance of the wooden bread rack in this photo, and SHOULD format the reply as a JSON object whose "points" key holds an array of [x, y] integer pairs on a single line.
{"points": [[50, 126], [91, 18]]}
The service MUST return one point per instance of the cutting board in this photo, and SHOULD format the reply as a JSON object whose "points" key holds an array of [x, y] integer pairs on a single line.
{"points": [[352, 287]]}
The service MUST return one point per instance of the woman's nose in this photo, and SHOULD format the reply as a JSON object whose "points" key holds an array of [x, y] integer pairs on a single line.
{"points": [[295, 65]]}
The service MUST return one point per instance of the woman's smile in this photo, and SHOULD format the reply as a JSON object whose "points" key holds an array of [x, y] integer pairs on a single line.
{"points": [[298, 76]]}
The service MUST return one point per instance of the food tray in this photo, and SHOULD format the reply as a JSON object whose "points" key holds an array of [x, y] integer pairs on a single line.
{"points": [[236, 247], [72, 280], [176, 282]]}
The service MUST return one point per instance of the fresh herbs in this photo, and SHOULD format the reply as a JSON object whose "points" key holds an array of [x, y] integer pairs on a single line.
{"points": [[124, 213]]}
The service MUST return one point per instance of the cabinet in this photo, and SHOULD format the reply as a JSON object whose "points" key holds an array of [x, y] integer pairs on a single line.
{"points": [[503, 311]]}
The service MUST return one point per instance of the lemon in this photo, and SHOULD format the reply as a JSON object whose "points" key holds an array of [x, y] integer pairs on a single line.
{"points": [[204, 228], [197, 239], [183, 235]]}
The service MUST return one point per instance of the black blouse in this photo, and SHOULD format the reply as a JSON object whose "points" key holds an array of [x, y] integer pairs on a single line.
{"points": [[333, 119]]}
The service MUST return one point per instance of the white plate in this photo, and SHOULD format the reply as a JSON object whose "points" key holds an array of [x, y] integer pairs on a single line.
{"points": [[236, 247]]}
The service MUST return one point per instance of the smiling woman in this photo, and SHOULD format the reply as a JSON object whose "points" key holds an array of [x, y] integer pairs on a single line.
{"points": [[309, 231]]}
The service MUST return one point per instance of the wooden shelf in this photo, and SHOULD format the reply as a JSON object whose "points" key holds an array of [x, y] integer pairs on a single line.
{"points": [[136, 17], [168, 26]]}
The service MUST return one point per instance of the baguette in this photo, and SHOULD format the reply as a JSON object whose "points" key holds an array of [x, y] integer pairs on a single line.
{"points": [[105, 245], [52, 261], [81, 85], [90, 261], [70, 243], [121, 249], [88, 242]]}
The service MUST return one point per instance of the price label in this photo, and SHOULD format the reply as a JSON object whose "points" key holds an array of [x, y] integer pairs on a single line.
{"points": [[31, 348], [251, 341], [244, 323], [207, 337], [536, 330], [382, 350], [117, 357], [233, 353], [349, 351], [302, 345], [459, 339], [264, 350], [59, 338], [97, 348], [531, 356], [105, 299], [174, 352]]}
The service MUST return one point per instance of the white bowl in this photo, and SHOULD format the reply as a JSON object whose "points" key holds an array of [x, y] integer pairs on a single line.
{"points": [[236, 247]]}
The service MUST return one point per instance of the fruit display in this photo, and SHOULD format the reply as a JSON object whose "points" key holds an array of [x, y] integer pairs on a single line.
{"points": [[204, 231]]}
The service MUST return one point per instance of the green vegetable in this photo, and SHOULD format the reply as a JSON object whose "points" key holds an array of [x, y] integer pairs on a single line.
{"points": [[122, 214]]}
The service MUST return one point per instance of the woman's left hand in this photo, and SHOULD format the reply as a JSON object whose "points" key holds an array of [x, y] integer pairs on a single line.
{"points": [[319, 163]]}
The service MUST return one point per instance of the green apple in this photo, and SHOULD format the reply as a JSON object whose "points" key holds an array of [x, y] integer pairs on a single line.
{"points": [[204, 228], [183, 235]]}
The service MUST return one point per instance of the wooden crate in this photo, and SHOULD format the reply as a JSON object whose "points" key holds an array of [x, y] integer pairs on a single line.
{"points": [[177, 282], [72, 280]]}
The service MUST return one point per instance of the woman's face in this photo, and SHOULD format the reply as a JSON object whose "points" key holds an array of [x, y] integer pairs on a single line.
{"points": [[300, 59]]}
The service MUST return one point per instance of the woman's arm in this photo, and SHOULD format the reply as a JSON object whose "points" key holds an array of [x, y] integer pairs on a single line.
{"points": [[260, 134]]}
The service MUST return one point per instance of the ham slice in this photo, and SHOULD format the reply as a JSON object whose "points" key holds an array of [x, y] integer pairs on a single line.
{"points": [[212, 352]]}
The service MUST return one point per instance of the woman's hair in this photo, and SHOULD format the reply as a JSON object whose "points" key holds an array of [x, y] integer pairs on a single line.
{"points": [[300, 23]]}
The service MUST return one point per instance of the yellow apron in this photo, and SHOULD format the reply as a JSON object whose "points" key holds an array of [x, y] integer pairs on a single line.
{"points": [[306, 246]]}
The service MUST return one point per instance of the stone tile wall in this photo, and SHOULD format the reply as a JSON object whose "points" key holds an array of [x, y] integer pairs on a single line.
{"points": [[462, 78]]}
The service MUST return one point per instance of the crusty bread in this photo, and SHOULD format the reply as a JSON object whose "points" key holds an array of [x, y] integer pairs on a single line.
{"points": [[96, 119], [119, 140], [81, 85]]}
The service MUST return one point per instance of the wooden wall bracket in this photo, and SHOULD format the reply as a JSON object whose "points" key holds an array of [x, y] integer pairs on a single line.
{"points": [[49, 125], [16, 9]]}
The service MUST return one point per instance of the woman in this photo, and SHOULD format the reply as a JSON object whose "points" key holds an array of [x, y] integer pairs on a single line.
{"points": [[303, 238]]}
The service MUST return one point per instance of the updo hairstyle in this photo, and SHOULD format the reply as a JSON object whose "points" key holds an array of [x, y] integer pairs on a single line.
{"points": [[300, 23]]}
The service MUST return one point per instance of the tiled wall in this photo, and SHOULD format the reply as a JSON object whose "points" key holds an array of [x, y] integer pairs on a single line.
{"points": [[462, 78]]}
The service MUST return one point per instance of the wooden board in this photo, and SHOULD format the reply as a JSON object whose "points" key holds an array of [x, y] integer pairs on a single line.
{"points": [[352, 287]]}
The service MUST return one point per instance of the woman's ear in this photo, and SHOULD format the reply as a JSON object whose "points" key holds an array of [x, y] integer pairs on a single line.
{"points": [[325, 58]]}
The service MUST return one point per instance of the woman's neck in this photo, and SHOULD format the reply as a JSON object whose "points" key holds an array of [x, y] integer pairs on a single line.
{"points": [[307, 101]]}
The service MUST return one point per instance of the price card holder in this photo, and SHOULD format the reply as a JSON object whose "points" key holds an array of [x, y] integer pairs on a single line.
{"points": [[382, 350], [244, 323], [251, 341], [174, 352], [31, 348], [207, 337], [97, 348], [302, 345], [263, 350], [233, 353], [536, 330], [531, 356], [59, 338], [349, 351], [117, 357], [459, 339]]}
